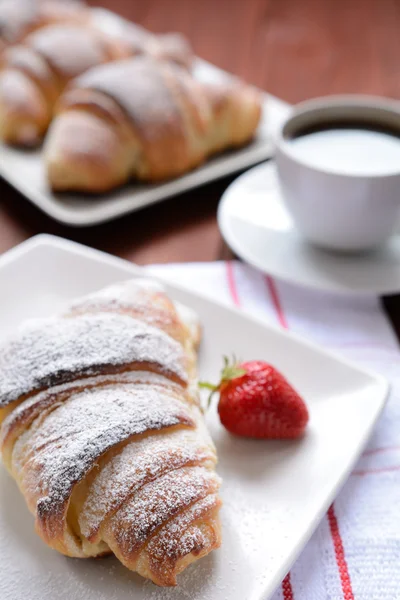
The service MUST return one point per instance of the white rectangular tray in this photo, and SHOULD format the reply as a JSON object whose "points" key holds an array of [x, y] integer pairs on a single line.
{"points": [[24, 170], [274, 493]]}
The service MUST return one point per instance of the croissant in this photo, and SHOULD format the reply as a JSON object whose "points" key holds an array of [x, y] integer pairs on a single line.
{"points": [[103, 432], [34, 74], [144, 119], [20, 17]]}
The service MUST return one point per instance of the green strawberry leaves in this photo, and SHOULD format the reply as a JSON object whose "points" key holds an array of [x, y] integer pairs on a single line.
{"points": [[231, 370]]}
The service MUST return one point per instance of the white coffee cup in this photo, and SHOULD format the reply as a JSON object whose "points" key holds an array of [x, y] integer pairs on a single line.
{"points": [[339, 210]]}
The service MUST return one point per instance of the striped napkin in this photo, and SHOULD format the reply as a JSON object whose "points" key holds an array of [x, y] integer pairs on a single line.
{"points": [[355, 552]]}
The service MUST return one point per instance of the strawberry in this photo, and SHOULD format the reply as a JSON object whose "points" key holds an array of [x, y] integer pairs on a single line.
{"points": [[257, 401]]}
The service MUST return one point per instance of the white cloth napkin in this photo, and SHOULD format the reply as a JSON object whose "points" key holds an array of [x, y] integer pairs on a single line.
{"points": [[355, 552]]}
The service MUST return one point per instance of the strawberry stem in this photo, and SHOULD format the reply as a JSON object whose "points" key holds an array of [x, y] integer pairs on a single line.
{"points": [[205, 385], [231, 370]]}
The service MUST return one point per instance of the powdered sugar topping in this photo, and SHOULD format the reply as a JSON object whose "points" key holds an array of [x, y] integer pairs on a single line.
{"points": [[59, 451], [177, 538], [29, 409], [52, 351], [139, 87], [140, 462], [156, 503], [134, 439]]}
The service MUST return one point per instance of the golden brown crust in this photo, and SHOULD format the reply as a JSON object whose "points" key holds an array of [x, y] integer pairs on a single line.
{"points": [[148, 93], [24, 112], [54, 51], [150, 306], [40, 68], [131, 528], [236, 110], [154, 121], [85, 153], [169, 553], [25, 60]]}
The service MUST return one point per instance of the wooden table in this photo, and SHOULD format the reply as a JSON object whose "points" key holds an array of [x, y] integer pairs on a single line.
{"points": [[294, 49]]}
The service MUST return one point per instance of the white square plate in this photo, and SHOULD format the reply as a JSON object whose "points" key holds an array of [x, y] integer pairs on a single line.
{"points": [[24, 170], [274, 493]]}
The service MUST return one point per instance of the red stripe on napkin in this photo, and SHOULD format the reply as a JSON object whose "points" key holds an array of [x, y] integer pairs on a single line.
{"points": [[333, 525], [340, 556], [273, 292], [230, 275], [378, 470], [379, 450], [287, 589]]}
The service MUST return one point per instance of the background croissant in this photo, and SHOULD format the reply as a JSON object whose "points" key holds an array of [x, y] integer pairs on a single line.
{"points": [[103, 431], [34, 73], [18, 18], [145, 119]]}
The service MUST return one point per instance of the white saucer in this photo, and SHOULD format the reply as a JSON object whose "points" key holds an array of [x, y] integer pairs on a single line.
{"points": [[256, 225]]}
